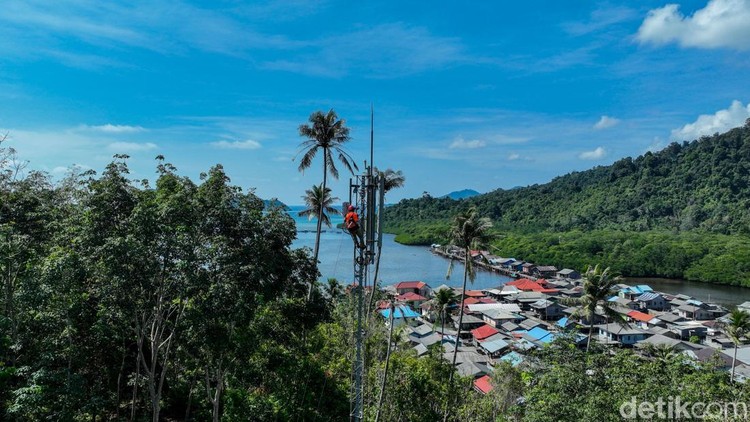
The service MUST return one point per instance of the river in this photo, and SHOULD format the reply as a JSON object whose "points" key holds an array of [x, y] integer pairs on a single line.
{"points": [[406, 263]]}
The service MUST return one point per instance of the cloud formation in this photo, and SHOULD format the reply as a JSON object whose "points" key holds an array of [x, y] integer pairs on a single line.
{"points": [[721, 24], [606, 122], [461, 143], [132, 146], [596, 154], [382, 51], [708, 124], [114, 129], [248, 144]]}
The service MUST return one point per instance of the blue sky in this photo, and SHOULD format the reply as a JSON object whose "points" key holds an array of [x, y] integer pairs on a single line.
{"points": [[482, 95]]}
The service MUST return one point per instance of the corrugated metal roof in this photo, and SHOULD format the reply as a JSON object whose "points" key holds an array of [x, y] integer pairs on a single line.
{"points": [[647, 296], [538, 333], [513, 358], [402, 311], [483, 332], [482, 384], [640, 316], [493, 344]]}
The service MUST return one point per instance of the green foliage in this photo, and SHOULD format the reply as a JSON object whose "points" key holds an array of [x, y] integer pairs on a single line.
{"points": [[123, 302], [682, 212]]}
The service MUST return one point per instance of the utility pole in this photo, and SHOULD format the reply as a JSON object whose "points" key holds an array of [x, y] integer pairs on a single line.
{"points": [[366, 187]]}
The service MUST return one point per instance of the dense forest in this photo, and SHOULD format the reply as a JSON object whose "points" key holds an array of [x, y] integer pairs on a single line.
{"points": [[680, 212], [123, 301]]}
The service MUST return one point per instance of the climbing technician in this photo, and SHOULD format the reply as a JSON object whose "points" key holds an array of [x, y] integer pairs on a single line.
{"points": [[351, 222]]}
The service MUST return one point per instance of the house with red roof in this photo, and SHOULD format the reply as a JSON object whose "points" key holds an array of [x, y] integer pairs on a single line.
{"points": [[419, 287], [412, 299], [483, 332], [526, 285], [641, 319], [483, 385]]}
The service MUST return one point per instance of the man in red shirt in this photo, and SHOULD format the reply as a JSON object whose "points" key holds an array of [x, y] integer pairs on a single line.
{"points": [[351, 222]]}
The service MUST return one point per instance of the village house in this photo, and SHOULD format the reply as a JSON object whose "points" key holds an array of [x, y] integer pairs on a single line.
{"points": [[686, 329], [483, 384], [473, 369], [569, 274], [527, 268], [422, 334], [494, 346], [469, 323], [544, 271], [546, 309], [412, 299], [402, 315], [694, 310], [516, 266], [640, 319], [483, 332], [632, 292], [496, 317], [616, 334], [624, 303], [652, 300], [419, 287]]}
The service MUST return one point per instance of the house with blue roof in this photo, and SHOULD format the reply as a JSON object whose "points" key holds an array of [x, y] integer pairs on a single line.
{"points": [[632, 292], [514, 358], [402, 315]]}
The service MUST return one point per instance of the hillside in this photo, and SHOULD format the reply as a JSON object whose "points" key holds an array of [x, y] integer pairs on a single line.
{"points": [[680, 213], [697, 185]]}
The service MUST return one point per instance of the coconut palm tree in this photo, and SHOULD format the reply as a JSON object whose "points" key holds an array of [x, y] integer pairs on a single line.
{"points": [[737, 328], [468, 231], [325, 133], [598, 286], [442, 301], [319, 205], [333, 289]]}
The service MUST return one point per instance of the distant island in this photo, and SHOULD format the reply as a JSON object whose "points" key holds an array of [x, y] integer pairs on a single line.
{"points": [[275, 203], [461, 194]]}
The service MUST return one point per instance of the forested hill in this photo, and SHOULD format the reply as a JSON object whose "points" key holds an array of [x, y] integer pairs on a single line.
{"points": [[699, 185]]}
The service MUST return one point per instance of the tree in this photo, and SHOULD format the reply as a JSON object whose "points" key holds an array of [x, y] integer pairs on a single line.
{"points": [[334, 290], [468, 231], [442, 300], [737, 328], [598, 286], [328, 134], [319, 204]]}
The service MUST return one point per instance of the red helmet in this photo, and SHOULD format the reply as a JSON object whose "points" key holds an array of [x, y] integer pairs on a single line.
{"points": [[352, 208]]}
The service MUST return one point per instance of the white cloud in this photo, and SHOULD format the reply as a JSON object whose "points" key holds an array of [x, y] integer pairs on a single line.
{"points": [[708, 124], [721, 24], [461, 143], [386, 50], [596, 154], [248, 144], [132, 146], [606, 122], [513, 157], [114, 129]]}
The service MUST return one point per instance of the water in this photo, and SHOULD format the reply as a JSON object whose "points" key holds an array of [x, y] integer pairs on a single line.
{"points": [[398, 263], [407, 263], [706, 292]]}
